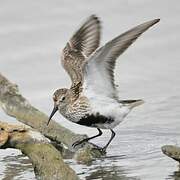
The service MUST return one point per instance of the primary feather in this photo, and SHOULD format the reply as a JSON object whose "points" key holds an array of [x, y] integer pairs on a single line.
{"points": [[99, 68], [82, 44]]}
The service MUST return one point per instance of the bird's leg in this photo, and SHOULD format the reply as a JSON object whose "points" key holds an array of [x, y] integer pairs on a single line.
{"points": [[112, 136], [87, 139]]}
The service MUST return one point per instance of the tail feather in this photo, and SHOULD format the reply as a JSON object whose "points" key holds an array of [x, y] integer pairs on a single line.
{"points": [[132, 103]]}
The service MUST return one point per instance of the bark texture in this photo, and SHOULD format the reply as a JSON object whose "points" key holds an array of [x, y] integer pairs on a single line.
{"points": [[172, 152], [15, 105], [46, 159]]}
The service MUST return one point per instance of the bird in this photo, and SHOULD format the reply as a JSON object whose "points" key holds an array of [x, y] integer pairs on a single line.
{"points": [[92, 100]]}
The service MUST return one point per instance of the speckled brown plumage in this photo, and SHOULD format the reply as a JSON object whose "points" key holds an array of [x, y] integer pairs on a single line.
{"points": [[82, 44]]}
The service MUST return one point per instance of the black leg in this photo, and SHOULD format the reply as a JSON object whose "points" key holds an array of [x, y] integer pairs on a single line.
{"points": [[112, 136], [87, 139]]}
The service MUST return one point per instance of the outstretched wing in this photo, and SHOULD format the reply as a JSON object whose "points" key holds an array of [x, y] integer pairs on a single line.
{"points": [[99, 69], [84, 41]]}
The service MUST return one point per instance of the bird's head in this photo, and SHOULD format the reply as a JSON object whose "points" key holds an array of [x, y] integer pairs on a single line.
{"points": [[60, 97]]}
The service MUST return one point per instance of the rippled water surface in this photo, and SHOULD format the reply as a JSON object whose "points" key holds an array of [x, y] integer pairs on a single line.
{"points": [[31, 36]]}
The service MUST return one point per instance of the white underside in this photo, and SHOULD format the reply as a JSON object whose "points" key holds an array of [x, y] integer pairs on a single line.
{"points": [[107, 107]]}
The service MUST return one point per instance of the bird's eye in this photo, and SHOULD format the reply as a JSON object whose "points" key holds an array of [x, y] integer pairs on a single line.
{"points": [[63, 98]]}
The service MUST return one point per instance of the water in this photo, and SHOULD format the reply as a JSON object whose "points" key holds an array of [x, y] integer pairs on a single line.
{"points": [[31, 36]]}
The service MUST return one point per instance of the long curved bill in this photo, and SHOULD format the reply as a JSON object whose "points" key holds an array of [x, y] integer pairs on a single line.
{"points": [[52, 114]]}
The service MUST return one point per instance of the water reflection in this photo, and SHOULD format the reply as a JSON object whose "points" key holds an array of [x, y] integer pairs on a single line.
{"points": [[16, 167], [106, 168], [109, 172]]}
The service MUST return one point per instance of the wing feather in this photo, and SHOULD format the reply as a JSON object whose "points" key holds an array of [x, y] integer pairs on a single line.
{"points": [[82, 44], [99, 69]]}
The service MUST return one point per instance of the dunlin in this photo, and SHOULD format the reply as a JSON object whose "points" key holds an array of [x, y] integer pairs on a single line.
{"points": [[92, 99]]}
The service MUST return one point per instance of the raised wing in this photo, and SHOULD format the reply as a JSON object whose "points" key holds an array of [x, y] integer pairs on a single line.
{"points": [[99, 69], [84, 41]]}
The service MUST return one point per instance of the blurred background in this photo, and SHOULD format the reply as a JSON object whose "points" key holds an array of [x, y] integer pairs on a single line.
{"points": [[32, 34]]}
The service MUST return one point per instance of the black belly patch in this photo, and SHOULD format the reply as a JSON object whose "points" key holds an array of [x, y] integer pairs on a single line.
{"points": [[91, 120]]}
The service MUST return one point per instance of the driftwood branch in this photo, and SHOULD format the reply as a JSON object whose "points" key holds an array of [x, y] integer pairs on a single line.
{"points": [[46, 159], [172, 152], [15, 105]]}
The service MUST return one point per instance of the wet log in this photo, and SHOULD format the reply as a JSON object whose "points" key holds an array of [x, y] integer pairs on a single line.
{"points": [[46, 159], [15, 105], [172, 152]]}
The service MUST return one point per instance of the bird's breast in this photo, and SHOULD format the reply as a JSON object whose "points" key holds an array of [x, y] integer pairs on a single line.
{"points": [[75, 111]]}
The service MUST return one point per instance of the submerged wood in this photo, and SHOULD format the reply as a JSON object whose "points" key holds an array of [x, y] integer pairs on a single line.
{"points": [[46, 159], [172, 151], [15, 105]]}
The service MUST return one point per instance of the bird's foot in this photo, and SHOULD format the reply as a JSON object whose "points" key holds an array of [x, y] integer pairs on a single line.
{"points": [[78, 143], [103, 150], [100, 149]]}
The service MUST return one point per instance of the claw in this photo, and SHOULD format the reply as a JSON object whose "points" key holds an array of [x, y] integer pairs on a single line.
{"points": [[77, 143], [101, 150]]}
